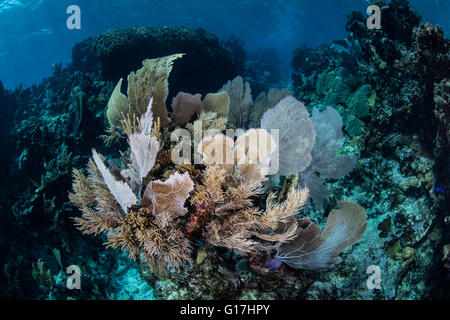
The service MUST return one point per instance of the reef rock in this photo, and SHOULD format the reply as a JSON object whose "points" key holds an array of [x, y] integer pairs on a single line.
{"points": [[206, 66]]}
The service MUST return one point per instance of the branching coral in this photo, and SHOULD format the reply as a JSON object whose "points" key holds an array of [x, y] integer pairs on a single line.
{"points": [[112, 203], [233, 176]]}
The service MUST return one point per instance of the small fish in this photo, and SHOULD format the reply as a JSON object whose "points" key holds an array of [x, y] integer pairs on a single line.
{"points": [[440, 189]]}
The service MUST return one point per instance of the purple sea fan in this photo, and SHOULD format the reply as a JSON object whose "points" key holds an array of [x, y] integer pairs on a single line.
{"points": [[314, 248], [325, 159], [296, 134]]}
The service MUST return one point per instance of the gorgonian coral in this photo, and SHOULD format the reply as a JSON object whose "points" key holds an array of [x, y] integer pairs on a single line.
{"points": [[244, 112], [138, 218], [228, 189], [314, 248], [150, 81], [296, 134], [326, 162], [154, 207]]}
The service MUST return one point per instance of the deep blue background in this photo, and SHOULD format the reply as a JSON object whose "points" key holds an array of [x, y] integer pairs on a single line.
{"points": [[33, 33]]}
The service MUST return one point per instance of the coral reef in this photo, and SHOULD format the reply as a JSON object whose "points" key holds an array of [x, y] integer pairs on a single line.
{"points": [[244, 112], [403, 164], [122, 51], [146, 216], [375, 117], [326, 162], [47, 130]]}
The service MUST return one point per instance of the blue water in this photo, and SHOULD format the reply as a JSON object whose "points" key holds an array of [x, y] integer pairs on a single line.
{"points": [[33, 33]]}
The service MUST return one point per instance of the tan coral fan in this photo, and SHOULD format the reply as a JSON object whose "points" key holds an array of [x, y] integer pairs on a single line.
{"points": [[235, 222], [117, 106], [149, 81], [217, 102]]}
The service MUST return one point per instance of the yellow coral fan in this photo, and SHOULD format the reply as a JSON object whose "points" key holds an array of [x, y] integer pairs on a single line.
{"points": [[117, 105], [217, 102], [151, 81]]}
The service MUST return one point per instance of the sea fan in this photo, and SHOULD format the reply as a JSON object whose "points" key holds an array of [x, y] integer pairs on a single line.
{"points": [[121, 192], [316, 249], [326, 163], [296, 134], [168, 197], [110, 201], [144, 148], [244, 113]]}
